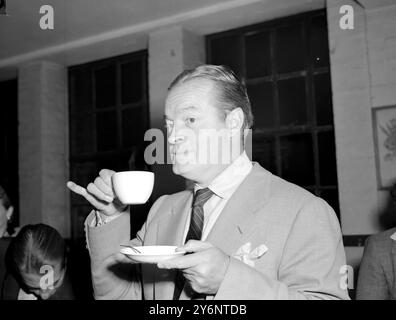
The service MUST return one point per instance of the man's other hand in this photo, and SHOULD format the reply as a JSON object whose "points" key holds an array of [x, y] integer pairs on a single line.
{"points": [[204, 267]]}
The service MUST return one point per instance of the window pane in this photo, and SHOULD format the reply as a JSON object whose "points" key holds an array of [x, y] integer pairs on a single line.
{"points": [[82, 134], [264, 153], [124, 163], [132, 127], [105, 85], [327, 159], [261, 99], [292, 108], [106, 131], [323, 99], [289, 49], [257, 55], [82, 174], [81, 83], [97, 136], [79, 214], [131, 82], [227, 50], [319, 42], [134, 158], [331, 197], [111, 162], [313, 190], [297, 159]]}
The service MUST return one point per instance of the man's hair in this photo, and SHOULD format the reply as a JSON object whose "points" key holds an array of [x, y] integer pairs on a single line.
{"points": [[33, 247], [232, 92]]}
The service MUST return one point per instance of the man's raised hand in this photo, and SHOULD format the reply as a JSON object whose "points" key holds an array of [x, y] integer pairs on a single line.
{"points": [[100, 193]]}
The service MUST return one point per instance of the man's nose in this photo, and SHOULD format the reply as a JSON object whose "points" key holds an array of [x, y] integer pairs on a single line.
{"points": [[174, 137]]}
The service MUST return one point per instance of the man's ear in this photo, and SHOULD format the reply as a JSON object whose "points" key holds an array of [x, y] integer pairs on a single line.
{"points": [[9, 213], [235, 119]]}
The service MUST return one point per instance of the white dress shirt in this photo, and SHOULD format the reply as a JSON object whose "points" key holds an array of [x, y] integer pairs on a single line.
{"points": [[22, 295], [223, 187]]}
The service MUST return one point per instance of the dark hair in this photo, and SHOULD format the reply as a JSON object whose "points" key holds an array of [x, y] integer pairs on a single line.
{"points": [[33, 247], [232, 92]]}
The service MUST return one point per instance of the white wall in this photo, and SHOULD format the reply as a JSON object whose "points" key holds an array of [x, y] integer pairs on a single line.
{"points": [[363, 65]]}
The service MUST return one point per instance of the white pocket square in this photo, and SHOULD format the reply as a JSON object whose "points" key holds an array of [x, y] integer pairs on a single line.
{"points": [[247, 255]]}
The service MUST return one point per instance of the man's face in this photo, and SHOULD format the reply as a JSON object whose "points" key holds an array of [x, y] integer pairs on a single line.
{"points": [[190, 110], [5, 214]]}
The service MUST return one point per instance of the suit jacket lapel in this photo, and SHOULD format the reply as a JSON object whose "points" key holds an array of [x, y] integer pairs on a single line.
{"points": [[237, 217], [171, 227]]}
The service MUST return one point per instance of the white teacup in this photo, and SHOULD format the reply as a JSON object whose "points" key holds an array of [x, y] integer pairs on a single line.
{"points": [[133, 187]]}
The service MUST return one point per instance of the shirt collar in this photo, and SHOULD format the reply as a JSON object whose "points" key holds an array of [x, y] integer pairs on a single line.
{"points": [[229, 179]]}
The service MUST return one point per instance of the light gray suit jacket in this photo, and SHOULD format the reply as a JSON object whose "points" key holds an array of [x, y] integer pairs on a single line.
{"points": [[301, 231]]}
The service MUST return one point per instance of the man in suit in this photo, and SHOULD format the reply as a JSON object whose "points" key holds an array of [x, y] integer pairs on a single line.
{"points": [[377, 272], [249, 234], [377, 276]]}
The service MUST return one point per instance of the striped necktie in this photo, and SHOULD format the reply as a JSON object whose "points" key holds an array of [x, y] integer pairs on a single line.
{"points": [[197, 214], [194, 231]]}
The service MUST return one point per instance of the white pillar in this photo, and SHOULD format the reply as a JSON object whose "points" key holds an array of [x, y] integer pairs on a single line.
{"points": [[171, 51], [352, 106], [43, 145]]}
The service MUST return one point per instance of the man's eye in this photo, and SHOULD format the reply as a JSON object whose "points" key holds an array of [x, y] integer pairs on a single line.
{"points": [[190, 120]]}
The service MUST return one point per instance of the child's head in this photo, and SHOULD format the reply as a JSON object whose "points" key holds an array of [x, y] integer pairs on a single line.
{"points": [[37, 259]]}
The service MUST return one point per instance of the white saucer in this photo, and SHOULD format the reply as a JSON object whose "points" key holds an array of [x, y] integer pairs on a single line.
{"points": [[152, 254]]}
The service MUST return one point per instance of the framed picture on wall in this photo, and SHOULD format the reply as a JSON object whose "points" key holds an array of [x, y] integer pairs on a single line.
{"points": [[384, 126]]}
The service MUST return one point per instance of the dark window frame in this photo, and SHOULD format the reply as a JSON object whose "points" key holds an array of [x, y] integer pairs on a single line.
{"points": [[93, 158], [309, 72]]}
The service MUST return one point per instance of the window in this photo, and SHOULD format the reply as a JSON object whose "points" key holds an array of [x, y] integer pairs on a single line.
{"points": [[285, 66], [108, 117]]}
